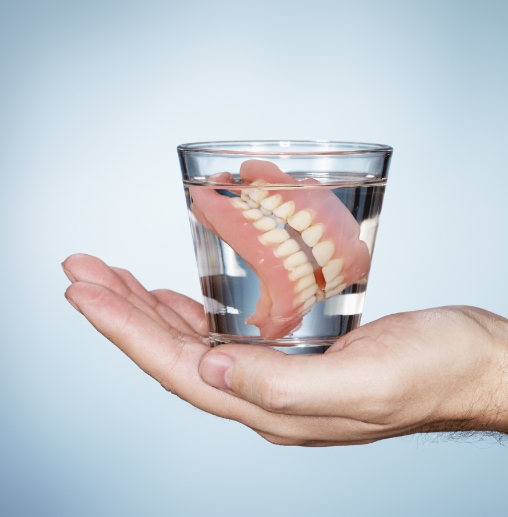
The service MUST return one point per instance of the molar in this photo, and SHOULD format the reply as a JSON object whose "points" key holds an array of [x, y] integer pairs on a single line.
{"points": [[301, 220], [253, 214], [286, 248], [334, 283], [323, 252], [258, 195], [238, 203], [301, 271], [296, 259], [276, 236], [307, 306], [285, 210], [332, 269], [313, 234], [335, 291], [265, 224], [272, 202], [305, 295], [304, 282]]}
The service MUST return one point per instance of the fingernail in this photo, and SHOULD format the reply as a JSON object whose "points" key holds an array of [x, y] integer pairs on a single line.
{"points": [[73, 303], [68, 274], [216, 370]]}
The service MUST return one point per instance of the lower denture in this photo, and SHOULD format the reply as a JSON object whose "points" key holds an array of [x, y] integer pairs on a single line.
{"points": [[292, 279]]}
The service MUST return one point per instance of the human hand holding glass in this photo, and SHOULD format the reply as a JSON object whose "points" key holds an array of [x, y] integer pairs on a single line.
{"points": [[441, 369]]}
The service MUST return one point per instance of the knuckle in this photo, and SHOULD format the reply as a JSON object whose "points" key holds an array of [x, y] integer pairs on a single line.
{"points": [[274, 394]]}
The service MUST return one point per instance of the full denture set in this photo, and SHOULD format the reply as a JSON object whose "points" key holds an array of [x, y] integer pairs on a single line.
{"points": [[303, 243]]}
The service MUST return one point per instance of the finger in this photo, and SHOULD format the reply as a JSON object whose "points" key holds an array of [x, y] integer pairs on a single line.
{"points": [[81, 267], [173, 359], [166, 312], [350, 383], [186, 307], [168, 356]]}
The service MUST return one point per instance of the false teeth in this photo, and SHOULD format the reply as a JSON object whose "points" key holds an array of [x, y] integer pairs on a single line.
{"points": [[276, 236], [301, 271], [332, 269], [301, 220], [313, 234], [296, 259], [323, 251], [265, 224], [287, 248]]}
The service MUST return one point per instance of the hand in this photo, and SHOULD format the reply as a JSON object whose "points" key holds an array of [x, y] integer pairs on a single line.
{"points": [[435, 370]]}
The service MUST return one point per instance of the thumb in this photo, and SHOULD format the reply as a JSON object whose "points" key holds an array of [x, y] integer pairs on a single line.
{"points": [[331, 384]]}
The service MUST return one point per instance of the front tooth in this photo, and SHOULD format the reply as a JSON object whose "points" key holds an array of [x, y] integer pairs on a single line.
{"points": [[286, 248], [265, 224], [285, 210], [332, 269], [258, 195], [252, 203], [238, 203], [296, 259], [305, 295], [307, 306], [334, 283], [313, 234], [253, 214], [272, 202], [304, 282], [301, 271], [323, 251], [276, 236], [301, 220], [335, 291]]}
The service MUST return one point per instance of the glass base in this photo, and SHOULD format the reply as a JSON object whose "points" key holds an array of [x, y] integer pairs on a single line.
{"points": [[318, 345]]}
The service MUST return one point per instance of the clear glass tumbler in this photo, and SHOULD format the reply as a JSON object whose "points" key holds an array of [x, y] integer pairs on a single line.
{"points": [[284, 233]]}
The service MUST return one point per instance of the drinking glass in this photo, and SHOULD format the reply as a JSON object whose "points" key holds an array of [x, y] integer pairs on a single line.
{"points": [[283, 234]]}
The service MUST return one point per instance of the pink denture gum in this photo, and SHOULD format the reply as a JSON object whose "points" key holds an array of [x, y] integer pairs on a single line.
{"points": [[303, 243]]}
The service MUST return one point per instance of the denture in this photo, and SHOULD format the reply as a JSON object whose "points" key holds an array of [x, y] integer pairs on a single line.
{"points": [[302, 243]]}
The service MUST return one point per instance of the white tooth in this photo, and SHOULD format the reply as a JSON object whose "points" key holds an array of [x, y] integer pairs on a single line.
{"points": [[304, 282], [323, 251], [305, 295], [320, 296], [258, 195], [312, 234], [265, 224], [238, 203], [276, 236], [265, 212], [252, 203], [244, 195], [335, 291], [307, 306], [253, 214], [334, 283], [301, 220], [285, 210], [259, 183], [272, 202], [280, 220], [332, 269], [286, 248], [301, 271], [296, 259]]}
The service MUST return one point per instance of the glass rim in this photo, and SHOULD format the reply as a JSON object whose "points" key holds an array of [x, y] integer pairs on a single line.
{"points": [[336, 148]]}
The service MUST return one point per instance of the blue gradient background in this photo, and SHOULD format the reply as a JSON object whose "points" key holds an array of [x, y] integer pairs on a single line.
{"points": [[94, 98]]}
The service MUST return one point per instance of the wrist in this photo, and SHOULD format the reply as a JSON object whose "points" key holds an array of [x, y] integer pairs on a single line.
{"points": [[485, 405]]}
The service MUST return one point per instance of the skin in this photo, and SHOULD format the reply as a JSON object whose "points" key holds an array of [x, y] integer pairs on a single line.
{"points": [[437, 370]]}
